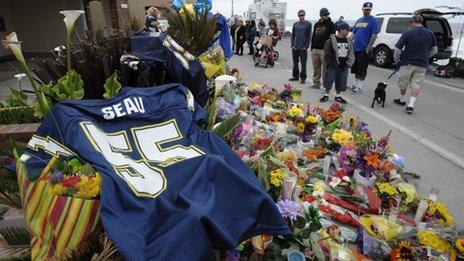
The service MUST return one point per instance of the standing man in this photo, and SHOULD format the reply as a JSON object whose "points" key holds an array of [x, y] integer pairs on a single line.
{"points": [[322, 31], [419, 45], [339, 56], [301, 37], [364, 34]]}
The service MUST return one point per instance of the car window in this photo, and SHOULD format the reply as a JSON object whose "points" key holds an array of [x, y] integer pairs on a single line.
{"points": [[397, 25], [435, 26], [380, 21]]}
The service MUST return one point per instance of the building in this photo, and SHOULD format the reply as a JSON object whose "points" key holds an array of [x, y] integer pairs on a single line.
{"points": [[40, 27]]}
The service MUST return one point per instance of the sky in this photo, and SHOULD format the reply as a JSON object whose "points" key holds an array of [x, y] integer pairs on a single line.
{"points": [[351, 9]]}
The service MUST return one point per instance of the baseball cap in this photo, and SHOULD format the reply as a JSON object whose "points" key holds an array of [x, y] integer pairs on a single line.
{"points": [[342, 26], [324, 11], [367, 5]]}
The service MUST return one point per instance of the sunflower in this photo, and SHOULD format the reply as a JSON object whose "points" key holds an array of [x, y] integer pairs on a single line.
{"points": [[403, 252]]}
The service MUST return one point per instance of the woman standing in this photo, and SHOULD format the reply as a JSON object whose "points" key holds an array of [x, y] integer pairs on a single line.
{"points": [[251, 35], [239, 37]]}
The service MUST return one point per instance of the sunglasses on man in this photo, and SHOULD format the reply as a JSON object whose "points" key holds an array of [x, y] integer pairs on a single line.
{"points": [[299, 15]]}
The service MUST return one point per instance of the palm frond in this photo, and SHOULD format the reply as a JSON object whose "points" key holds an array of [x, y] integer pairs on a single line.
{"points": [[9, 190], [194, 32], [16, 253], [16, 236], [7, 147]]}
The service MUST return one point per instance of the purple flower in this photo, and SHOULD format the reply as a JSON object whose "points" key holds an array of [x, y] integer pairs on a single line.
{"points": [[288, 209], [56, 177]]}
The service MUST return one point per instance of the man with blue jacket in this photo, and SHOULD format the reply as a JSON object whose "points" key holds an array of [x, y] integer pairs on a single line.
{"points": [[364, 34], [301, 37]]}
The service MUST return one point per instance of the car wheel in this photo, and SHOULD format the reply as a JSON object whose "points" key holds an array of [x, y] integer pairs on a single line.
{"points": [[382, 56]]}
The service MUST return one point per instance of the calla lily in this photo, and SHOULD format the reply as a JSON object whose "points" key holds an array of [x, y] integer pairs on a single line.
{"points": [[70, 17], [11, 42]]}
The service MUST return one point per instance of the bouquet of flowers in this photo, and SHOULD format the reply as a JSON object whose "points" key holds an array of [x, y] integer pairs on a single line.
{"points": [[74, 179], [437, 215]]}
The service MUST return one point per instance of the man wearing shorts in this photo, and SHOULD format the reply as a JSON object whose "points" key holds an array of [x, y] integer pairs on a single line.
{"points": [[364, 34], [419, 45]]}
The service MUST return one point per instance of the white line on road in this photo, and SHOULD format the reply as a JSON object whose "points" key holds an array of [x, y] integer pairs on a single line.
{"points": [[446, 154]]}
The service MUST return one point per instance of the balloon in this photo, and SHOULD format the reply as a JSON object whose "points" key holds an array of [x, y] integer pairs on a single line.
{"points": [[177, 4]]}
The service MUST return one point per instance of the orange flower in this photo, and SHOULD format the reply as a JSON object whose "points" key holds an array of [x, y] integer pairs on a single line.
{"points": [[372, 160]]}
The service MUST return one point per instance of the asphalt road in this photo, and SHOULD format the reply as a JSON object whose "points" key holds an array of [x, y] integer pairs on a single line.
{"points": [[431, 140]]}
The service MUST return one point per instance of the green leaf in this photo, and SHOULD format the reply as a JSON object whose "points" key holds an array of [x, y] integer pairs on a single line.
{"points": [[211, 115], [69, 87], [276, 161], [112, 86], [227, 126], [16, 99], [317, 250]]}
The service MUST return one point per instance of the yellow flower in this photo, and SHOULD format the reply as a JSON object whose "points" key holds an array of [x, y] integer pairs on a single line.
{"points": [[311, 119], [58, 189], [300, 127], [432, 240], [385, 188], [342, 136], [277, 177], [89, 187], [460, 244], [295, 111], [318, 186]]}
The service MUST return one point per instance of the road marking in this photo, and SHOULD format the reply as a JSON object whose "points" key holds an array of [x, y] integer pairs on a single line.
{"points": [[456, 89], [446, 154]]}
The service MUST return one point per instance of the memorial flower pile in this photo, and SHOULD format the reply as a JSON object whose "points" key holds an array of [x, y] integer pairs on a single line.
{"points": [[344, 193]]}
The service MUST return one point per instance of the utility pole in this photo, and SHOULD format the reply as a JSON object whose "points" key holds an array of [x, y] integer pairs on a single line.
{"points": [[232, 8]]}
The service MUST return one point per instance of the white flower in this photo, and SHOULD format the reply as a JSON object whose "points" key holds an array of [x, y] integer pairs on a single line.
{"points": [[14, 45], [19, 76], [70, 17]]}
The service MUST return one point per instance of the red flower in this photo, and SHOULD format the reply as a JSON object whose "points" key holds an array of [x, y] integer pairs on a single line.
{"points": [[71, 182]]}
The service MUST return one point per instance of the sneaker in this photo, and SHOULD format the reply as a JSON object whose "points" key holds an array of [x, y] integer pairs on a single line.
{"points": [[409, 110], [315, 86], [324, 99], [293, 79], [399, 102], [303, 81], [340, 100]]}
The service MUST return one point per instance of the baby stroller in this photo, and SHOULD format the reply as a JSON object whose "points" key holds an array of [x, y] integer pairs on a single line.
{"points": [[264, 54]]}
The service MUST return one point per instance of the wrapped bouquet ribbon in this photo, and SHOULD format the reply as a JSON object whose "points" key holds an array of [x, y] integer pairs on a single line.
{"points": [[57, 224]]}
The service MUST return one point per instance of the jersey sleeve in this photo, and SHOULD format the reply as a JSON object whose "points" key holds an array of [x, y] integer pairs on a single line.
{"points": [[46, 143]]}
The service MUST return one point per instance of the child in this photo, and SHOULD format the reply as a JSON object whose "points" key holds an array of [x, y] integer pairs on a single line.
{"points": [[338, 57]]}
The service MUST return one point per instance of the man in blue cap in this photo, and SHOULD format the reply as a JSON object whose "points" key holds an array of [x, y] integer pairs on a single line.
{"points": [[301, 37], [321, 33], [364, 34]]}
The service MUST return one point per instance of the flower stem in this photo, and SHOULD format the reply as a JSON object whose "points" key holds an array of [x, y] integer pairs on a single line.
{"points": [[68, 49]]}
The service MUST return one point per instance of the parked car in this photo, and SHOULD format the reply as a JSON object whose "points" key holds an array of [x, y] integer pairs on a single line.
{"points": [[392, 25]]}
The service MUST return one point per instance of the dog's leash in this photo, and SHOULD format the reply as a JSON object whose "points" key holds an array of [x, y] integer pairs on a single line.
{"points": [[393, 73]]}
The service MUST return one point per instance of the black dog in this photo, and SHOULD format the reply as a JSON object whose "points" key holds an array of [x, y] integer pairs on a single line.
{"points": [[380, 94]]}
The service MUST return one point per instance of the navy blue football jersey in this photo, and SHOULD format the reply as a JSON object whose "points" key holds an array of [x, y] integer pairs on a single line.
{"points": [[170, 190]]}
